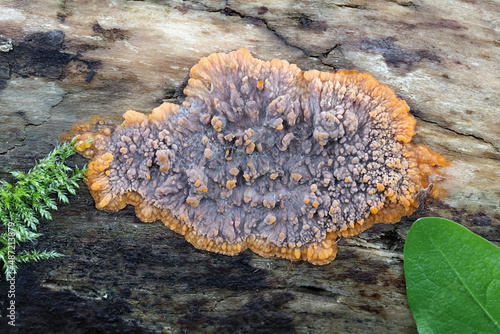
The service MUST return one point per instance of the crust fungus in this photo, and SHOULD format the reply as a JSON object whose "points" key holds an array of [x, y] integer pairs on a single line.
{"points": [[262, 155]]}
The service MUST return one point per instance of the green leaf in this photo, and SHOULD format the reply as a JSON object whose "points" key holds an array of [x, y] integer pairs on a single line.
{"points": [[452, 278]]}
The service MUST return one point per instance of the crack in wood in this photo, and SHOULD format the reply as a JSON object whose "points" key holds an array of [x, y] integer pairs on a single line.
{"points": [[459, 133]]}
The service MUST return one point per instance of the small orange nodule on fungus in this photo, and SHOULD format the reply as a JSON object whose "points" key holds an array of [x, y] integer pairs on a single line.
{"points": [[181, 163], [230, 184]]}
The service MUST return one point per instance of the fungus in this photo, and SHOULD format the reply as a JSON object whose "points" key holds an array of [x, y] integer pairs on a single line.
{"points": [[262, 155]]}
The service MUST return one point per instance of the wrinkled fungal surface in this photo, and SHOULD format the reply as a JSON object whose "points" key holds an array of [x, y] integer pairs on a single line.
{"points": [[262, 155]]}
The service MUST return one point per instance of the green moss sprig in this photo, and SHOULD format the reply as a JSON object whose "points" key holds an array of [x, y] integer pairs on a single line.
{"points": [[32, 196]]}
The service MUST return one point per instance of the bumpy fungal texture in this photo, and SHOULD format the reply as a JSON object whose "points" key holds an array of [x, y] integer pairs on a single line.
{"points": [[264, 156]]}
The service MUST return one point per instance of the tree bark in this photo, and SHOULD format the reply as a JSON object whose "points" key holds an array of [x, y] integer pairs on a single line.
{"points": [[64, 61]]}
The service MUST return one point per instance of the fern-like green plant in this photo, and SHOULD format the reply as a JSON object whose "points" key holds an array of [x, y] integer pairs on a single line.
{"points": [[33, 195]]}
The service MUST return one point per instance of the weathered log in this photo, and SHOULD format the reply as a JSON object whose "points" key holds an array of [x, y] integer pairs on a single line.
{"points": [[62, 62]]}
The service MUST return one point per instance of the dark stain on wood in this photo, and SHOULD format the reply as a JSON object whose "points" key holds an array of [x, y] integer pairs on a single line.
{"points": [[184, 8], [232, 273], [113, 34], [261, 314], [395, 56], [39, 54], [392, 241], [374, 295], [371, 308], [309, 24], [481, 219], [262, 10], [359, 275], [41, 310], [447, 24], [61, 17]]}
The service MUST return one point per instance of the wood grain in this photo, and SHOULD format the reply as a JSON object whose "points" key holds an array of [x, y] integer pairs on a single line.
{"points": [[64, 61]]}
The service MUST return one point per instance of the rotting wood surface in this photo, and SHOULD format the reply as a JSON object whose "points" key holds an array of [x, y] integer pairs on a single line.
{"points": [[64, 62]]}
